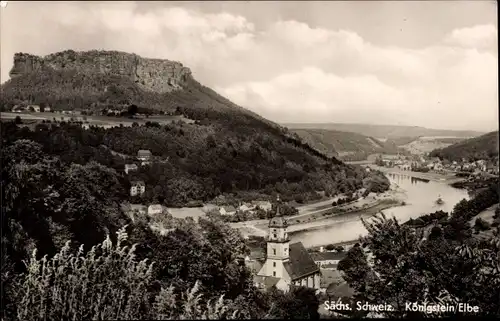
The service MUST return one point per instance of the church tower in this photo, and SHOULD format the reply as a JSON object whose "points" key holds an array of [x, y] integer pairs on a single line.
{"points": [[278, 245]]}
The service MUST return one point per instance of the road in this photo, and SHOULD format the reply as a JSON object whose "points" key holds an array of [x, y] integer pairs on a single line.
{"points": [[316, 211]]}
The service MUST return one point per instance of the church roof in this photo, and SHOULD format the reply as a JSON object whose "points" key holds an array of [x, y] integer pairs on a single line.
{"points": [[300, 264]]}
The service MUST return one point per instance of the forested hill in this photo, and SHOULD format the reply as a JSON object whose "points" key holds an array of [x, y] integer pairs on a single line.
{"points": [[482, 147], [61, 181], [392, 132], [347, 146], [228, 149]]}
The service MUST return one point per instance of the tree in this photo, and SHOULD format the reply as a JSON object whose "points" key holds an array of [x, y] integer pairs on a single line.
{"points": [[132, 109], [481, 225], [405, 267], [299, 303], [18, 120]]}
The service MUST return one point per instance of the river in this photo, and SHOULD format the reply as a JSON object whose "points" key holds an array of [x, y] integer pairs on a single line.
{"points": [[420, 194]]}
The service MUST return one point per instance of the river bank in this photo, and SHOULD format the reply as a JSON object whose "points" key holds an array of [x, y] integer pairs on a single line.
{"points": [[322, 214], [448, 178], [420, 198]]}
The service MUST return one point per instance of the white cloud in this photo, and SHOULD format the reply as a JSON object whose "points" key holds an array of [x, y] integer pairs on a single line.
{"points": [[288, 71], [480, 37]]}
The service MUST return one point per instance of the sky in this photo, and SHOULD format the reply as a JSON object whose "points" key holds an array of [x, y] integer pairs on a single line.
{"points": [[416, 63]]}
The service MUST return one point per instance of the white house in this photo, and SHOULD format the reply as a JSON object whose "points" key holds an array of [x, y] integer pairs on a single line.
{"points": [[34, 108], [137, 188], [246, 207], [130, 167], [263, 205], [155, 209], [327, 259], [286, 264], [227, 210]]}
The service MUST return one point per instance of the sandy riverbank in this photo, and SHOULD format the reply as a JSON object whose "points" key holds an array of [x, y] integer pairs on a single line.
{"points": [[316, 219]]}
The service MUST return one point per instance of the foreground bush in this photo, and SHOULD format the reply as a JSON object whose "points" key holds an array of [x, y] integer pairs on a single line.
{"points": [[106, 283]]}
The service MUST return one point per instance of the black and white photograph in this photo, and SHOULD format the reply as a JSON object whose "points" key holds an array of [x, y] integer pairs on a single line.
{"points": [[194, 160]]}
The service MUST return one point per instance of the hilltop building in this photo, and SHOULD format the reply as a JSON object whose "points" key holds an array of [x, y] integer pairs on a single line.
{"points": [[130, 167], [286, 264], [137, 188], [144, 156]]}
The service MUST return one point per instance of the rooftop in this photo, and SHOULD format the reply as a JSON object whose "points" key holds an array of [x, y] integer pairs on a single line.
{"points": [[144, 152], [268, 281], [327, 256], [301, 264]]}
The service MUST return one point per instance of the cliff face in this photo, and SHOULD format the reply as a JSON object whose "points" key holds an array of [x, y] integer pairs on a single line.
{"points": [[156, 75]]}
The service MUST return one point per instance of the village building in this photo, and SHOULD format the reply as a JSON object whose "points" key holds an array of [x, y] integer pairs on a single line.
{"points": [[227, 210], [34, 108], [246, 207], [263, 205], [144, 156], [137, 188], [18, 109], [327, 260], [155, 209], [286, 264], [130, 167]]}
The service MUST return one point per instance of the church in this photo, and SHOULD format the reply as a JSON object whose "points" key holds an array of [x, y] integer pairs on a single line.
{"points": [[286, 264]]}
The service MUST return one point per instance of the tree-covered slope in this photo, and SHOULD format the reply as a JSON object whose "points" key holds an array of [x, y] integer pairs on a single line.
{"points": [[345, 145], [482, 147]]}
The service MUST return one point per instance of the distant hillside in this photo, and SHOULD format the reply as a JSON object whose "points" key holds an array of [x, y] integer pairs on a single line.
{"points": [[228, 149], [423, 145], [482, 147], [347, 146], [386, 131]]}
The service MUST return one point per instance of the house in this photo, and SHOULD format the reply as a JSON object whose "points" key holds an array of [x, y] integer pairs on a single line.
{"points": [[34, 108], [286, 264], [18, 109], [327, 259], [47, 109], [263, 205], [155, 209], [144, 155], [246, 207], [227, 210], [137, 188], [130, 167], [255, 260]]}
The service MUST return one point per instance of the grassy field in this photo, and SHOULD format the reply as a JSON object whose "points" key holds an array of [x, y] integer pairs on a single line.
{"points": [[96, 120]]}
